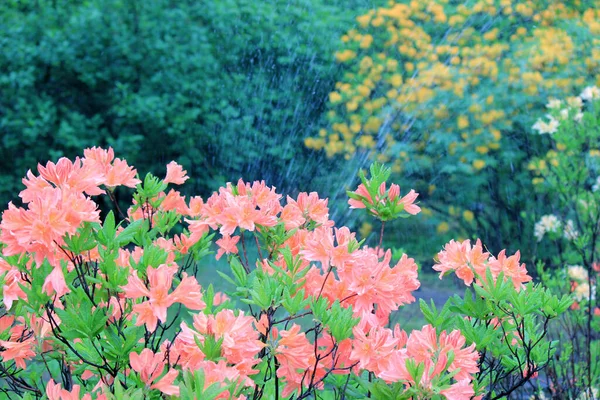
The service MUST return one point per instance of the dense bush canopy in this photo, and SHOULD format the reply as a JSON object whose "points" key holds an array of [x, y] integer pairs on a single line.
{"points": [[229, 88], [448, 91]]}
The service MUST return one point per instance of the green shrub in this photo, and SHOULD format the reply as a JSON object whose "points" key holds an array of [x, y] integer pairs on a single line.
{"points": [[228, 88]]}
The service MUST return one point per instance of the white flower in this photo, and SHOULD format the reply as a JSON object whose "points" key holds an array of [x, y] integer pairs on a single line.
{"points": [[578, 117], [582, 292], [539, 232], [577, 273], [548, 223], [564, 113], [540, 396], [570, 231], [586, 394], [553, 103], [575, 102], [546, 127], [596, 186], [590, 93]]}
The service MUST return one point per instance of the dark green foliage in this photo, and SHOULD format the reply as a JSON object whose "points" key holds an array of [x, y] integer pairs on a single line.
{"points": [[229, 88]]}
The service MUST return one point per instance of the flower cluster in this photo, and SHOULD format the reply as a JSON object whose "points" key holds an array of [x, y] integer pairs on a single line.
{"points": [[571, 108], [547, 223], [102, 301], [580, 284], [406, 62], [471, 262]]}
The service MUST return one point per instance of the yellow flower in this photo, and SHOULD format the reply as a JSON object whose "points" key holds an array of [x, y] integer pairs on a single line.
{"points": [[363, 90], [462, 122], [491, 35], [351, 106], [482, 149], [365, 229], [366, 41], [366, 63], [334, 97], [373, 124], [343, 56], [377, 21], [396, 80], [537, 181], [478, 164], [468, 215], [426, 211], [364, 20], [443, 227]]}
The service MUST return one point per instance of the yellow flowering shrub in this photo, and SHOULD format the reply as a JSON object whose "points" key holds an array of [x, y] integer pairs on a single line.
{"points": [[442, 89], [412, 67]]}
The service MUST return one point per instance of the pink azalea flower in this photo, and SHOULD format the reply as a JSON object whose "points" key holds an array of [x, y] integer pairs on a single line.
{"points": [[227, 245], [55, 392], [159, 299], [121, 174], [150, 366], [175, 174]]}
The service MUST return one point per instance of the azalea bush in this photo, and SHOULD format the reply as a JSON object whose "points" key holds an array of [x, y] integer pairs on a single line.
{"points": [[109, 306], [566, 176], [438, 89]]}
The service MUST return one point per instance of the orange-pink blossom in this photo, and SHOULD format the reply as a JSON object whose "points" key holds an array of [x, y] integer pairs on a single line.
{"points": [[160, 281]]}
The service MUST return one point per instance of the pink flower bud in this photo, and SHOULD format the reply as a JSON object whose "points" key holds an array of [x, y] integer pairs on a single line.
{"points": [[394, 192]]}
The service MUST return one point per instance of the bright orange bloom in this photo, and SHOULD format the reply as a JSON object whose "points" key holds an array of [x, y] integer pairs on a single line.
{"points": [[424, 346], [372, 281], [121, 174], [239, 347], [55, 283], [462, 258], [159, 299], [17, 349], [511, 268], [318, 246], [55, 392], [174, 201], [295, 355], [195, 207], [373, 351], [361, 191], [471, 262], [175, 174], [311, 207], [76, 176], [13, 279], [408, 202], [227, 245], [99, 156], [461, 390], [292, 216], [150, 366]]}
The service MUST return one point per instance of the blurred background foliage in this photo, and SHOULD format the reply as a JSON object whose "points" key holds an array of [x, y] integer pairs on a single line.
{"points": [[229, 88], [447, 92], [302, 93]]}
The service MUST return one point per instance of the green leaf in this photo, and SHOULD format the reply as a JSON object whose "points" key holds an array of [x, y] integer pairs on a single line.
{"points": [[128, 234]]}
